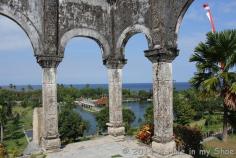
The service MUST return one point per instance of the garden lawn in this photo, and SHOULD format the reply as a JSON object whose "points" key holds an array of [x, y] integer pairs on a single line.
{"points": [[15, 140], [220, 149]]}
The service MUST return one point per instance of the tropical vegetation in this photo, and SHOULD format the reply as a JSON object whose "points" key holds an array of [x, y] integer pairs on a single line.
{"points": [[215, 58]]}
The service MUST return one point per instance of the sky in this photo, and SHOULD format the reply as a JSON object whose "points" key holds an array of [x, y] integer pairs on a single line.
{"points": [[83, 61]]}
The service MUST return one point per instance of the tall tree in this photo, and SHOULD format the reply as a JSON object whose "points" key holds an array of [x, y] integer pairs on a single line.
{"points": [[215, 59]]}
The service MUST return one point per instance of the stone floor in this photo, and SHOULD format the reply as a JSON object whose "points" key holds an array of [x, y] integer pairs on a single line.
{"points": [[107, 147]]}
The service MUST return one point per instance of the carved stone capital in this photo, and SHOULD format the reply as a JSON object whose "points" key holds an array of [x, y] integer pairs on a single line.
{"points": [[162, 139], [49, 61], [162, 54], [111, 2], [114, 63]]}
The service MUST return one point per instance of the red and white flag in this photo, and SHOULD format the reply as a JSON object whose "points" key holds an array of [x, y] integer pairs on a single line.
{"points": [[210, 17]]}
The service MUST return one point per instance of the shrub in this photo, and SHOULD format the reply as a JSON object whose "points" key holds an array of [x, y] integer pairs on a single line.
{"points": [[71, 126], [103, 117], [212, 120], [188, 139], [145, 133], [232, 118]]}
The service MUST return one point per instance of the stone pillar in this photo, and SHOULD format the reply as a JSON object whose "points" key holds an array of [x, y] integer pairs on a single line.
{"points": [[115, 125], [163, 141], [37, 122], [50, 136]]}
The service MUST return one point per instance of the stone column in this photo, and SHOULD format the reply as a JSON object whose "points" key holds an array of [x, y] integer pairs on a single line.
{"points": [[115, 125], [50, 136], [163, 141]]}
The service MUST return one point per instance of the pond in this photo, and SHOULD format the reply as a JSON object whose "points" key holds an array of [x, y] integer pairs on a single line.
{"points": [[138, 108]]}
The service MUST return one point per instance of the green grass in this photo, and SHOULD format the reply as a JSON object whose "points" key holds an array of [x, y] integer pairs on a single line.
{"points": [[199, 123], [15, 140], [26, 116], [210, 128], [221, 149]]}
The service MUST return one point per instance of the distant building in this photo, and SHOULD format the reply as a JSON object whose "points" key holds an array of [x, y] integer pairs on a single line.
{"points": [[102, 101]]}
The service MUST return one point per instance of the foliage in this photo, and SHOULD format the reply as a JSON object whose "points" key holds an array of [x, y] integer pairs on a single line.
{"points": [[3, 120], [14, 137], [71, 125], [213, 120], [148, 116], [214, 59], [200, 103], [188, 139], [2, 151], [183, 110], [86, 92], [128, 118], [232, 119], [140, 95], [103, 117], [145, 133]]}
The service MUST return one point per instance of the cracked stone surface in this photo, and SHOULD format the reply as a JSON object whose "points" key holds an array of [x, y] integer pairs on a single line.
{"points": [[106, 147]]}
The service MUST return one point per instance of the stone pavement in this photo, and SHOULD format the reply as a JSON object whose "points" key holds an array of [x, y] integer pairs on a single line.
{"points": [[106, 147]]}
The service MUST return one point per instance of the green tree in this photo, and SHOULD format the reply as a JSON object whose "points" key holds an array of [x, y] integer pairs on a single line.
{"points": [[128, 118], [214, 60], [103, 117], [183, 110], [71, 125], [148, 116], [144, 95]]}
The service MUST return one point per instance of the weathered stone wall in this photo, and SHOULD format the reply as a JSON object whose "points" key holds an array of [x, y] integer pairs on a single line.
{"points": [[50, 24], [85, 17], [129, 13], [37, 125], [166, 18]]}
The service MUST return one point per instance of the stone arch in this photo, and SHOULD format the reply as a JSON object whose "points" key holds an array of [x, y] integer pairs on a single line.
{"points": [[181, 15], [85, 32], [129, 32], [27, 26]]}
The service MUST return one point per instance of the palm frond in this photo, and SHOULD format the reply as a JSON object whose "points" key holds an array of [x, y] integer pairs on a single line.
{"points": [[212, 84]]}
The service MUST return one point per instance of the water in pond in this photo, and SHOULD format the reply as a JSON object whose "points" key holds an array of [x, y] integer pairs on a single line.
{"points": [[138, 108], [90, 118]]}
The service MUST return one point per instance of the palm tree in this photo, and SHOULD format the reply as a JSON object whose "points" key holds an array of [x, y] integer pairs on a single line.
{"points": [[215, 59]]}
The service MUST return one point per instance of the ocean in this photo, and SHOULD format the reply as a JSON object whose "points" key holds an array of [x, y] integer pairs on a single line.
{"points": [[132, 86]]}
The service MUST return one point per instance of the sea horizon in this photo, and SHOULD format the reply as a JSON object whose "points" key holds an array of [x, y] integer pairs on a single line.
{"points": [[132, 86]]}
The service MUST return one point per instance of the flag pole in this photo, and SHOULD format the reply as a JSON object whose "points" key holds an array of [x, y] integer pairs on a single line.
{"points": [[210, 17], [213, 29]]}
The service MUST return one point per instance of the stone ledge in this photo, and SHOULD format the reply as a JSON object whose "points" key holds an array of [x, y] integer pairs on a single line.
{"points": [[116, 131], [164, 149]]}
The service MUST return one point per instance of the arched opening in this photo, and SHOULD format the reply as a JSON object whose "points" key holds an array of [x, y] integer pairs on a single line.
{"points": [[85, 32], [20, 86], [84, 79], [128, 33], [137, 80]]}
